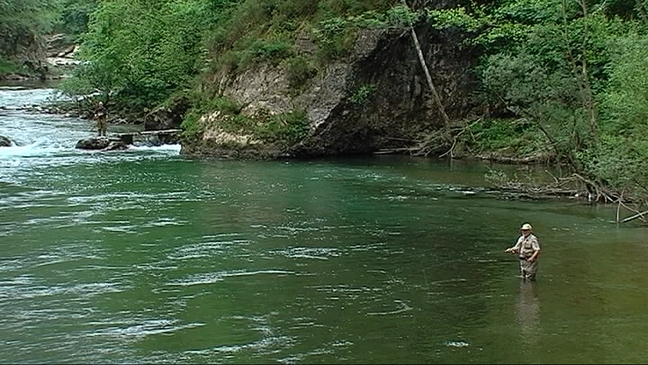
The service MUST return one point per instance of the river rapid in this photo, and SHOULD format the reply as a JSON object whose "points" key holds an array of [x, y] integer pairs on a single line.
{"points": [[144, 256]]}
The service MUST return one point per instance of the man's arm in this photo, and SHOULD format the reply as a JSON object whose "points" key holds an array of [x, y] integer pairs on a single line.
{"points": [[533, 257], [536, 250], [515, 247]]}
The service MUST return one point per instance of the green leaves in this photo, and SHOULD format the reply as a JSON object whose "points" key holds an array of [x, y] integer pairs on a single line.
{"points": [[362, 94], [620, 162], [75, 15], [574, 71], [35, 15], [141, 51], [625, 101], [335, 35], [456, 17]]}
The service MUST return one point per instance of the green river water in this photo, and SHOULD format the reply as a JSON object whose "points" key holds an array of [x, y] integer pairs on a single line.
{"points": [[143, 256]]}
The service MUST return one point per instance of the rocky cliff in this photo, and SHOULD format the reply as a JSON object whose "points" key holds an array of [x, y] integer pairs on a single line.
{"points": [[21, 44], [35, 55], [377, 98]]}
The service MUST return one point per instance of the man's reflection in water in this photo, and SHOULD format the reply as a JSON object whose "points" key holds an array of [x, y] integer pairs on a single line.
{"points": [[527, 310]]}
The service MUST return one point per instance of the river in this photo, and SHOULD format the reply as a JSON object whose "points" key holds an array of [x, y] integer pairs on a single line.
{"points": [[143, 256]]}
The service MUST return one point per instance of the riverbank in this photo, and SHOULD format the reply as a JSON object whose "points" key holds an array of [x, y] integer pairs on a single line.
{"points": [[523, 185]]}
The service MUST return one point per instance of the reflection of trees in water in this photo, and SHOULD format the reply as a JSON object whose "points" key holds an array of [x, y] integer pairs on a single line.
{"points": [[527, 309]]}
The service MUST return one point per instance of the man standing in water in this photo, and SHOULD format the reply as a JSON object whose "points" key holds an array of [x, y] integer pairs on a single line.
{"points": [[100, 116], [527, 248]]}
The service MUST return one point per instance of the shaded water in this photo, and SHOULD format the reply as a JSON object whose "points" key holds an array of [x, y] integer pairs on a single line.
{"points": [[142, 256]]}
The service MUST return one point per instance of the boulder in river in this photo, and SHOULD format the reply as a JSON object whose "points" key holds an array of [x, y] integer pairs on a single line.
{"points": [[101, 143], [5, 142]]}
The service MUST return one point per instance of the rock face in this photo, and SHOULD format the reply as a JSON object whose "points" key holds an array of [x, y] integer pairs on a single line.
{"points": [[21, 44], [376, 98], [37, 54], [167, 117]]}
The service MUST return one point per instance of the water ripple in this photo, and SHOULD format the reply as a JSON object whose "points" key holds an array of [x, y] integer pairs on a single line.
{"points": [[136, 331], [18, 292], [318, 253], [211, 278], [207, 249]]}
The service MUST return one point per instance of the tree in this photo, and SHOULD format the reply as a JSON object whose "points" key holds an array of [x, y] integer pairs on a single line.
{"points": [[75, 15], [570, 70], [141, 51]]}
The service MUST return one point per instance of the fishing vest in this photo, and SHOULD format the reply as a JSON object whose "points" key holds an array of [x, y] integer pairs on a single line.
{"points": [[526, 246]]}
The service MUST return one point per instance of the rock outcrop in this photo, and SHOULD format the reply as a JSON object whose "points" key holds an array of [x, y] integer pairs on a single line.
{"points": [[376, 98], [20, 43], [167, 117], [38, 55]]}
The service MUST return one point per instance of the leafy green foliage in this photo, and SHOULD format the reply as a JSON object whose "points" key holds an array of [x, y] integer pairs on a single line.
{"points": [[139, 52], [75, 15], [9, 67], [75, 87], [573, 72], [35, 15], [457, 17], [142, 51], [621, 159], [334, 39], [624, 105], [266, 50], [545, 97], [286, 129], [508, 137], [620, 162], [363, 94], [336, 35]]}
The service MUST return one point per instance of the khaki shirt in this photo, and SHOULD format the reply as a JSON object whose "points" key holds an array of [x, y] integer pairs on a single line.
{"points": [[526, 246]]}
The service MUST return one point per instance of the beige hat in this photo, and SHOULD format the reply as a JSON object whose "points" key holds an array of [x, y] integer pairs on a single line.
{"points": [[526, 226]]}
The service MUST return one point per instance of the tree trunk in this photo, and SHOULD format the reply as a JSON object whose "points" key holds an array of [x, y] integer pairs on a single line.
{"points": [[588, 97], [582, 76], [421, 58]]}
